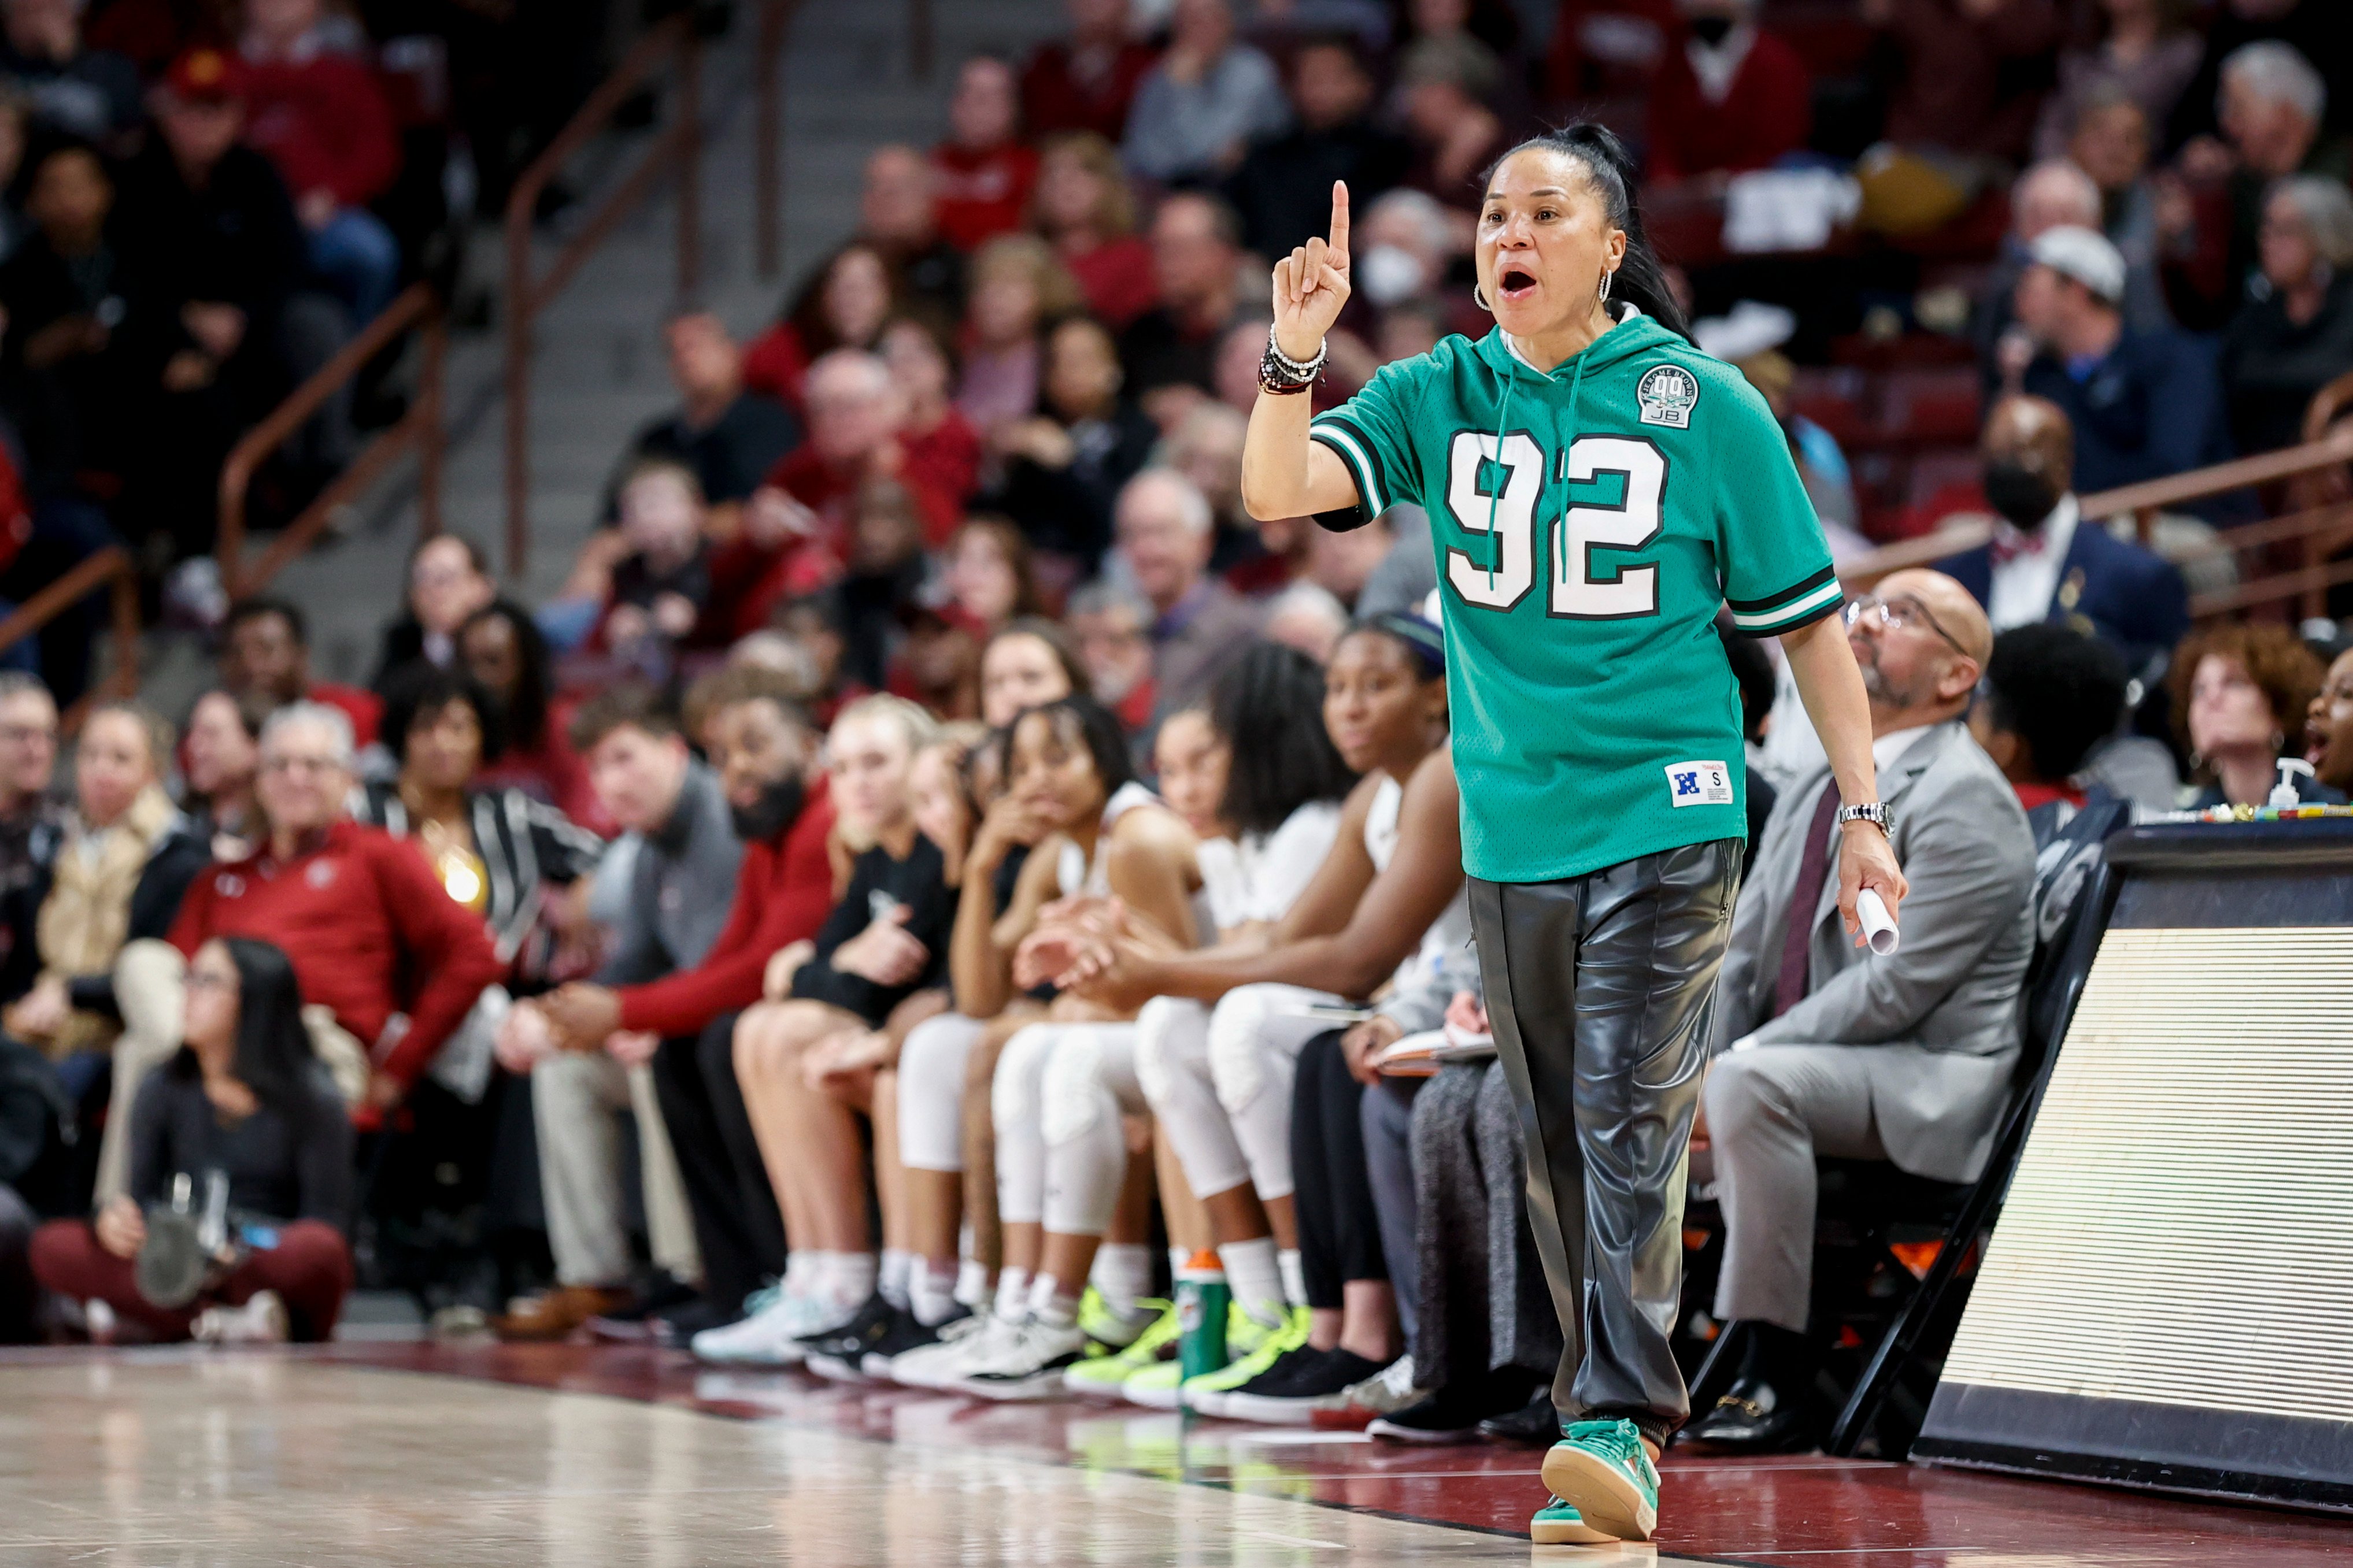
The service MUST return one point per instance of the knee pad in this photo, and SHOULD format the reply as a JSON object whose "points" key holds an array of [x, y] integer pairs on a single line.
{"points": [[1013, 1093], [1236, 1057], [1071, 1089], [1160, 1031], [931, 1092]]}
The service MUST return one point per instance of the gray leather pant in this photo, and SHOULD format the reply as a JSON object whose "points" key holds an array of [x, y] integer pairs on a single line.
{"points": [[1598, 990]]}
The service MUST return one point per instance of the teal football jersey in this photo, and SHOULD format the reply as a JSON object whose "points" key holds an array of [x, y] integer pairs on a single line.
{"points": [[1589, 522]]}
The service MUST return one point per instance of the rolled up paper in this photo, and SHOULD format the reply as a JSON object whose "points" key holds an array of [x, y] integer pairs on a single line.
{"points": [[1878, 925]]}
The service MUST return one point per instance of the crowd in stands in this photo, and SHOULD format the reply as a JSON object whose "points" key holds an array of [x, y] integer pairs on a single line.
{"points": [[937, 865]]}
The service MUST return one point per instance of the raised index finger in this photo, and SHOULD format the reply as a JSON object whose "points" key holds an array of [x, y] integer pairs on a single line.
{"points": [[1339, 240]]}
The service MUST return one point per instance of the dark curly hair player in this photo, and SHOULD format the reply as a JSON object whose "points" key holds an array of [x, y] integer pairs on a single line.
{"points": [[1597, 490]]}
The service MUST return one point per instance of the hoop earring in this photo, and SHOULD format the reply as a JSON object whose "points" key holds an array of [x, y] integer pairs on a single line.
{"points": [[1606, 276], [1480, 299]]}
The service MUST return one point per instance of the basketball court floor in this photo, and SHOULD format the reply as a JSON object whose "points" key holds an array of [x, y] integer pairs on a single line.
{"points": [[371, 1454]]}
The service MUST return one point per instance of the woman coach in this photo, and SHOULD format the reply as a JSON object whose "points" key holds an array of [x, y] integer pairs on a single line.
{"points": [[1598, 489]]}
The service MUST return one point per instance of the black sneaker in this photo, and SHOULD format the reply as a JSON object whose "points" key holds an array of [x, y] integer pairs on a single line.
{"points": [[674, 1328], [1276, 1377], [1536, 1422], [634, 1324], [1452, 1413], [1317, 1381], [909, 1332], [841, 1355]]}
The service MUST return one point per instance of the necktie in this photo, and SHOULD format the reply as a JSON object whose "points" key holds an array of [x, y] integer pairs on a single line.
{"points": [[1813, 869]]}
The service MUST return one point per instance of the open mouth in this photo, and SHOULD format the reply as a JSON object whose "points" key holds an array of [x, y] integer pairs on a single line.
{"points": [[1515, 283], [2315, 746]]}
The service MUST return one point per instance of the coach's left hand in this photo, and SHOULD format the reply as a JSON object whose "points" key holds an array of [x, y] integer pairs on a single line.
{"points": [[1866, 860]]}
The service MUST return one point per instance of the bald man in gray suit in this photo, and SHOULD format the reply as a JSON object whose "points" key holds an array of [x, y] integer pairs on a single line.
{"points": [[1828, 1049]]}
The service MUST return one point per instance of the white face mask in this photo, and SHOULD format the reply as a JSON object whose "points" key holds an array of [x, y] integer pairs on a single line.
{"points": [[1389, 274]]}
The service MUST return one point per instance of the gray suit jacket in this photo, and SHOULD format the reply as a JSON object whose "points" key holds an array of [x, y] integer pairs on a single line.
{"points": [[1936, 1021]]}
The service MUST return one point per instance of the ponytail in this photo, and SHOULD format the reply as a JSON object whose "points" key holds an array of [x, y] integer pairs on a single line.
{"points": [[1640, 279]]}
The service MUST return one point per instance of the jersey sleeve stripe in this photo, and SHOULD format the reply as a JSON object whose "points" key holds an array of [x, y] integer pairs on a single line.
{"points": [[1773, 601], [1824, 600], [1357, 453]]}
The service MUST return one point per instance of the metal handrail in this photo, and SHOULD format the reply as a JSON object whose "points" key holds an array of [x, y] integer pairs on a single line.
{"points": [[679, 145], [421, 427], [111, 567]]}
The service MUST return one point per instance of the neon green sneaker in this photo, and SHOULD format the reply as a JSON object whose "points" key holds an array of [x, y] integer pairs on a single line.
{"points": [[1207, 1393], [1109, 1329], [1559, 1524], [1105, 1377], [1156, 1386], [1601, 1472]]}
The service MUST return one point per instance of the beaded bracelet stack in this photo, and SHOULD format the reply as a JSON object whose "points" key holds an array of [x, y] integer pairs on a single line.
{"points": [[1280, 375]]}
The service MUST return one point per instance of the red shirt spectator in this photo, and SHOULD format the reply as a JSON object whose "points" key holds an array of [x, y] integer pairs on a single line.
{"points": [[842, 306], [356, 912], [984, 172], [1085, 209], [322, 120], [1739, 102], [1088, 82], [783, 893]]}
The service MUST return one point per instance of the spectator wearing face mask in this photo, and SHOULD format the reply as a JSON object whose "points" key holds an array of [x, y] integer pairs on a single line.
{"points": [[1732, 97], [1407, 245], [2045, 563], [1285, 177], [2143, 404], [985, 170]]}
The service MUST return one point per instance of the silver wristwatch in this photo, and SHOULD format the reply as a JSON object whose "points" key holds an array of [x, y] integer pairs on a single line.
{"points": [[1873, 812]]}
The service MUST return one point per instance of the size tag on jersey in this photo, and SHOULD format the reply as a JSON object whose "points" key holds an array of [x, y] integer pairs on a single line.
{"points": [[1698, 784]]}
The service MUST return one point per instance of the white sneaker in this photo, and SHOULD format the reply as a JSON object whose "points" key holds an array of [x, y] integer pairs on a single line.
{"points": [[262, 1321], [772, 1335], [1027, 1364], [941, 1365]]}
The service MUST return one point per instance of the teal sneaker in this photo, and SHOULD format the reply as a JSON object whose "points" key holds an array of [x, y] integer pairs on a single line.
{"points": [[1207, 1393], [1559, 1524], [1104, 1377], [1600, 1470]]}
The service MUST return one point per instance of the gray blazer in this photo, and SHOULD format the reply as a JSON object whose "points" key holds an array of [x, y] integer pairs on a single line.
{"points": [[1939, 1016]]}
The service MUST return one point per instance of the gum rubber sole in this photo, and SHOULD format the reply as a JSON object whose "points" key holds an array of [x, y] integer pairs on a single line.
{"points": [[1561, 1533], [1605, 1494]]}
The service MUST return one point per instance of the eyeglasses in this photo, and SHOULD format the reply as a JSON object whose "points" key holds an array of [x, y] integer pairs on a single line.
{"points": [[1899, 613], [285, 764]]}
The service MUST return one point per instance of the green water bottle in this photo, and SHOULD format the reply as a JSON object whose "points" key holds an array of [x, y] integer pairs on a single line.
{"points": [[1202, 1299]]}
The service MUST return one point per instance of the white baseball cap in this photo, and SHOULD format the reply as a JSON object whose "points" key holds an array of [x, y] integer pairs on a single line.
{"points": [[2085, 256]]}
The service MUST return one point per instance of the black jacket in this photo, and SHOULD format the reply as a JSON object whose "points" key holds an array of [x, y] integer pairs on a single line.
{"points": [[235, 241]]}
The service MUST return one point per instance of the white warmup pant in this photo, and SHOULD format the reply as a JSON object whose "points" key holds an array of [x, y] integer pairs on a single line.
{"points": [[1056, 1102], [149, 990], [574, 1097], [931, 1091], [1219, 1080]]}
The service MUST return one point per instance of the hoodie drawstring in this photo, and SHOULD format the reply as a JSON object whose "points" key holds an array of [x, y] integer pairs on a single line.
{"points": [[1502, 421]]}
